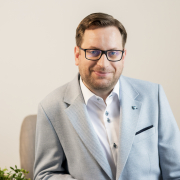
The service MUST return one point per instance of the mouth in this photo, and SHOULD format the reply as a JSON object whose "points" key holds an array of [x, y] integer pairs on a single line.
{"points": [[101, 73]]}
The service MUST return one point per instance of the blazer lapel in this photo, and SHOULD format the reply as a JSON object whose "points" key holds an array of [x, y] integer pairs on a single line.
{"points": [[128, 122], [78, 116]]}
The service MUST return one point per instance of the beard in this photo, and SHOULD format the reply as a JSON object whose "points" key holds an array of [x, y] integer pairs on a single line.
{"points": [[96, 83]]}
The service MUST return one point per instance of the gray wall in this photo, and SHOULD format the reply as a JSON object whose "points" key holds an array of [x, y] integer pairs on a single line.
{"points": [[36, 53]]}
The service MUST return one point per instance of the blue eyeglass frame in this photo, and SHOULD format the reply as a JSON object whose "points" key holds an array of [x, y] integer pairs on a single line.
{"points": [[102, 52]]}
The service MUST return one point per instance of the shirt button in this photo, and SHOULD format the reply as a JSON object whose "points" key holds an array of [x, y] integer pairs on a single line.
{"points": [[108, 120], [98, 99], [114, 145], [106, 113]]}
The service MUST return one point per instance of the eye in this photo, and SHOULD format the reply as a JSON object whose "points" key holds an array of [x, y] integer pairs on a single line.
{"points": [[93, 52], [112, 53]]}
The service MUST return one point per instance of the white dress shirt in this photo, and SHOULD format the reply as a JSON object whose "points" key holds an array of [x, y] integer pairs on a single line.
{"points": [[105, 120]]}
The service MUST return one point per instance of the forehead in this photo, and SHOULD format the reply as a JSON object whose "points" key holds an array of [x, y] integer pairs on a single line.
{"points": [[103, 38]]}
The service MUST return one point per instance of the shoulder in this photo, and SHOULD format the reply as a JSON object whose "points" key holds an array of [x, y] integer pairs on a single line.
{"points": [[54, 99], [142, 87], [139, 82], [61, 97]]}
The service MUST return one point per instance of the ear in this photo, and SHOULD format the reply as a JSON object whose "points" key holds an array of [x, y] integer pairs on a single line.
{"points": [[76, 55], [124, 56]]}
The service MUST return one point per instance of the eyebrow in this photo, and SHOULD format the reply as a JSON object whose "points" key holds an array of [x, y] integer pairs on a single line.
{"points": [[93, 47]]}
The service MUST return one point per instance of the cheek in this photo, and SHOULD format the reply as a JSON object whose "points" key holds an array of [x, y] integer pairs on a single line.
{"points": [[87, 65], [118, 67], [84, 67]]}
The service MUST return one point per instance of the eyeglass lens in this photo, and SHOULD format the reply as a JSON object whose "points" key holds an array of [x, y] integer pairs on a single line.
{"points": [[95, 55]]}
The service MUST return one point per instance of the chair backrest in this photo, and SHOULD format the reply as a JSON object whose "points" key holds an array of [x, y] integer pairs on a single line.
{"points": [[27, 144]]}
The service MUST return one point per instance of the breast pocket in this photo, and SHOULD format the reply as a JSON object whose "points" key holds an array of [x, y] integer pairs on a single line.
{"points": [[144, 133]]}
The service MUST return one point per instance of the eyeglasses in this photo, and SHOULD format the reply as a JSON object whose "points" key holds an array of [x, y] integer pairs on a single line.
{"points": [[95, 54]]}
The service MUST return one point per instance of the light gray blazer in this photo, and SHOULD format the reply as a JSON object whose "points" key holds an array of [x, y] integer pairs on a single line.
{"points": [[67, 147]]}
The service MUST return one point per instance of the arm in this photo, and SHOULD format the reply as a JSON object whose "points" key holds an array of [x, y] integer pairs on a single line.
{"points": [[169, 140], [49, 155]]}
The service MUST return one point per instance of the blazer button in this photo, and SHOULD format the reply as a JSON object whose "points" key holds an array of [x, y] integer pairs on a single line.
{"points": [[108, 120]]}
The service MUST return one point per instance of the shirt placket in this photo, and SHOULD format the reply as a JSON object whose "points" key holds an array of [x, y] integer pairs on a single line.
{"points": [[109, 123]]}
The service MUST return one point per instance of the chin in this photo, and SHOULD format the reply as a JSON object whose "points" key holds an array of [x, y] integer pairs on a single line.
{"points": [[102, 85]]}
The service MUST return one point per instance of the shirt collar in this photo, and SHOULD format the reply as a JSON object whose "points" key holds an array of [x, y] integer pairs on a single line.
{"points": [[87, 94]]}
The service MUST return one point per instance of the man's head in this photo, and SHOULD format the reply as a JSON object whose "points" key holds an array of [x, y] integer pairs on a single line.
{"points": [[100, 31]]}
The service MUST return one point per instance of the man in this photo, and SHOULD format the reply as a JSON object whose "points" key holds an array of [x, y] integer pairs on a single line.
{"points": [[103, 125]]}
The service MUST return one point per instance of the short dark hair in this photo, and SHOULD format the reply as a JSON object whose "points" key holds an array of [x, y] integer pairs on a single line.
{"points": [[99, 20]]}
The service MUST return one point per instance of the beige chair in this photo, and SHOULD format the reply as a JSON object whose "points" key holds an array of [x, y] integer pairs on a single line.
{"points": [[27, 144]]}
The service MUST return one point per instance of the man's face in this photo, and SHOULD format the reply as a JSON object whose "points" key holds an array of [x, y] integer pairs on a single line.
{"points": [[100, 75]]}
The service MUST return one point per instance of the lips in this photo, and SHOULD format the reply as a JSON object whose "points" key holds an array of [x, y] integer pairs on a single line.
{"points": [[101, 73]]}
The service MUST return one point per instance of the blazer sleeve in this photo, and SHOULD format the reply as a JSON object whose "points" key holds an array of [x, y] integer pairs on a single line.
{"points": [[49, 155], [168, 139]]}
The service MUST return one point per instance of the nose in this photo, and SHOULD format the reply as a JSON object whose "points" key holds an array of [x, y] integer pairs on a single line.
{"points": [[103, 61]]}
